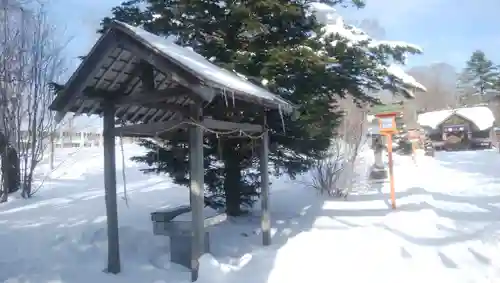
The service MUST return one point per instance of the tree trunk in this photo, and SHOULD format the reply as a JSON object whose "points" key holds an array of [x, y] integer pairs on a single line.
{"points": [[12, 171], [28, 182], [4, 194], [232, 184]]}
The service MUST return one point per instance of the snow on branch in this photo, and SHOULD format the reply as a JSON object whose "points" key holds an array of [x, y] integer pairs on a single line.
{"points": [[398, 72], [386, 55]]}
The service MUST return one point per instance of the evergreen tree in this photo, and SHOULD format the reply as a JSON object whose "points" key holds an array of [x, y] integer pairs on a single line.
{"points": [[277, 40], [478, 80]]}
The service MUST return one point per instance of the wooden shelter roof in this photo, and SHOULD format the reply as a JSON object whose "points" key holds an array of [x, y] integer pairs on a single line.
{"points": [[152, 80], [480, 116]]}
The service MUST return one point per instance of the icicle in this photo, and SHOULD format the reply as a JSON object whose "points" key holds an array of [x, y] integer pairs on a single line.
{"points": [[234, 104], [282, 119], [224, 94]]}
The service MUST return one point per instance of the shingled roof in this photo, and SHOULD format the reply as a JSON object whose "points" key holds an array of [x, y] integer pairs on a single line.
{"points": [[112, 66]]}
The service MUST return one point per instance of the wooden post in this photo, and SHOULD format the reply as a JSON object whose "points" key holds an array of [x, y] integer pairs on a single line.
{"points": [[110, 188], [391, 171], [264, 175], [196, 194]]}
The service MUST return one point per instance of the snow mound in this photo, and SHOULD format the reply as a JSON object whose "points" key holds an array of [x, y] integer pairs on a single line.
{"points": [[213, 271], [481, 116]]}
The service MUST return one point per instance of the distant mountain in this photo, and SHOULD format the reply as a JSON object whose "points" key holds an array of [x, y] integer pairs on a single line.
{"points": [[445, 73], [437, 77]]}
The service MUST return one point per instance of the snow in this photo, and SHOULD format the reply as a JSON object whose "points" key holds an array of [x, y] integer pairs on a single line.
{"points": [[207, 212], [217, 77], [481, 116], [339, 28], [445, 228], [355, 37], [399, 73]]}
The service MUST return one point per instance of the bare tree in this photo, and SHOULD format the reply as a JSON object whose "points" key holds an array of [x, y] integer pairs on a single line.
{"points": [[46, 65], [335, 173], [10, 33], [326, 172], [27, 77]]}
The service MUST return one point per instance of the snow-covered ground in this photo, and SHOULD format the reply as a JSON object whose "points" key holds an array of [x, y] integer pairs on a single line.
{"points": [[445, 228]]}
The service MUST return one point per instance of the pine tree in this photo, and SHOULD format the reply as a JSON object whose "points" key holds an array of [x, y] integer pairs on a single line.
{"points": [[269, 39], [478, 80]]}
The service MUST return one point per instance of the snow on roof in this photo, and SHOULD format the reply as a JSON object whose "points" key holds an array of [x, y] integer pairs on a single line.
{"points": [[335, 25], [434, 118], [218, 77], [481, 116]]}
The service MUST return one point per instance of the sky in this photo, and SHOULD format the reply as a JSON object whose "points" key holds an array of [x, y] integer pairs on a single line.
{"points": [[448, 30]]}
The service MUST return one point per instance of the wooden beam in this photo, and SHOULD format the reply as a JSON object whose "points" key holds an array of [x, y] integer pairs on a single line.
{"points": [[152, 96], [264, 175], [150, 129], [182, 110], [118, 98], [110, 189], [231, 126], [147, 76], [196, 190]]}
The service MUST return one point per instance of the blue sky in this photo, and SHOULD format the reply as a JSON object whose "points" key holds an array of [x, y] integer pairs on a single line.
{"points": [[447, 30]]}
